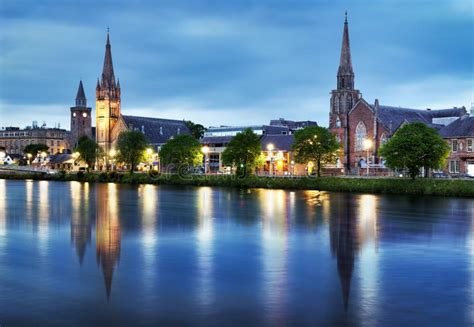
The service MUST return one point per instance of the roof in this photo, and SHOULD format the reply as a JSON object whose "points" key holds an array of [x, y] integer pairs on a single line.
{"points": [[60, 158], [80, 92], [216, 139], [461, 127], [156, 130], [280, 142], [394, 117]]}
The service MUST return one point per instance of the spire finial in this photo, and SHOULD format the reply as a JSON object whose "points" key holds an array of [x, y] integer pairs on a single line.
{"points": [[345, 20]]}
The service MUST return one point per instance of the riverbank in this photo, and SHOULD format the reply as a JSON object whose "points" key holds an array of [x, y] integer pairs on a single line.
{"points": [[421, 186]]}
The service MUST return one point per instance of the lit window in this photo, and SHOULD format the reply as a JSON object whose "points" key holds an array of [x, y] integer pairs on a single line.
{"points": [[361, 134]]}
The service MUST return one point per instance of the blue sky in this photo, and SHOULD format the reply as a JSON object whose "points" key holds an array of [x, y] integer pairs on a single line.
{"points": [[231, 62]]}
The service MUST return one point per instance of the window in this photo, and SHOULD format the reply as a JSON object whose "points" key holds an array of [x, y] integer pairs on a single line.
{"points": [[383, 139], [361, 133], [338, 122], [469, 145], [161, 130], [454, 145], [454, 166]]}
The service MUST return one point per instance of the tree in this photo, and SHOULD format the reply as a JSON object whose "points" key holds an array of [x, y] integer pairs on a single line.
{"points": [[243, 152], [88, 150], [182, 150], [316, 144], [414, 146], [131, 146], [197, 130], [34, 149]]}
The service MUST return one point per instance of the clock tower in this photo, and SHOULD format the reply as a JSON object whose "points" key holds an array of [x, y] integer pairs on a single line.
{"points": [[80, 117]]}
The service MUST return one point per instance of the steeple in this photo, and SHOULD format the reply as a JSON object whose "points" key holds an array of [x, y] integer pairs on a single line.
{"points": [[81, 100], [108, 77], [345, 74]]}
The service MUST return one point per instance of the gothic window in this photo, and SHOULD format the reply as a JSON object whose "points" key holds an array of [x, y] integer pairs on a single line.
{"points": [[338, 122], [383, 139], [360, 135]]}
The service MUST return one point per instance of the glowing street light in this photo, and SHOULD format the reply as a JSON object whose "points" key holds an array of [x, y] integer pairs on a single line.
{"points": [[367, 146], [270, 148], [149, 151], [205, 151]]}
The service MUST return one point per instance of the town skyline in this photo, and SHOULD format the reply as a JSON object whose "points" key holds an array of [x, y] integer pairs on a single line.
{"points": [[266, 87]]}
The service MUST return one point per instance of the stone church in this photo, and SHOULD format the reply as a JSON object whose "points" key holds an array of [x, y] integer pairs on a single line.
{"points": [[110, 121], [353, 119]]}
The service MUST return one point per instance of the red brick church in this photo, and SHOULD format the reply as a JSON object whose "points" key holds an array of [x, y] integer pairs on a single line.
{"points": [[354, 120]]}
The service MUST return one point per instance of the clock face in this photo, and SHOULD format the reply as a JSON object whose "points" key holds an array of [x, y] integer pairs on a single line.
{"points": [[84, 114], [74, 114]]}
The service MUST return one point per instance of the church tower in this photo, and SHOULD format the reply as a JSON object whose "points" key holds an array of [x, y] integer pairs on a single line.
{"points": [[107, 102], [80, 117], [344, 97]]}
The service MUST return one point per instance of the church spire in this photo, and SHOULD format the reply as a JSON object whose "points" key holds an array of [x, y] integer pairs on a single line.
{"points": [[345, 73], [81, 100], [108, 78]]}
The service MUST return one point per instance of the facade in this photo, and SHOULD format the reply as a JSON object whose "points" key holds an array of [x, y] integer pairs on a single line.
{"points": [[14, 139], [109, 119], [80, 117], [362, 127], [460, 137]]}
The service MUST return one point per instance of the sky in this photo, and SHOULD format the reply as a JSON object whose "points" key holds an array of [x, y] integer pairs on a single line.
{"points": [[232, 62]]}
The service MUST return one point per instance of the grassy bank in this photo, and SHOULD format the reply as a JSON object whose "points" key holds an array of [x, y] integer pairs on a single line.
{"points": [[449, 187]]}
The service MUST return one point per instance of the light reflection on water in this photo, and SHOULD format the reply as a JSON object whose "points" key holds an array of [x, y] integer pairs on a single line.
{"points": [[295, 257]]}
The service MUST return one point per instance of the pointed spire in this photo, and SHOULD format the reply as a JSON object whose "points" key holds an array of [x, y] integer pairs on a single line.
{"points": [[108, 78], [81, 100], [98, 85], [345, 73]]}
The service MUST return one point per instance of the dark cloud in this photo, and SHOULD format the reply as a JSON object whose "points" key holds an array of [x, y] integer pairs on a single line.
{"points": [[228, 62]]}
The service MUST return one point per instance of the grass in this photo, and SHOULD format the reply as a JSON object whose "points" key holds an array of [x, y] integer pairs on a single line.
{"points": [[421, 186]]}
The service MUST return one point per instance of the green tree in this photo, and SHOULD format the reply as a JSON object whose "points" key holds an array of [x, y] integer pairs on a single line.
{"points": [[34, 149], [413, 147], [182, 150], [197, 130], [88, 151], [316, 144], [243, 152], [131, 146]]}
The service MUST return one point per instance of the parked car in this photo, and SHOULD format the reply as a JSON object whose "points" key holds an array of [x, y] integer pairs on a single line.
{"points": [[440, 175]]}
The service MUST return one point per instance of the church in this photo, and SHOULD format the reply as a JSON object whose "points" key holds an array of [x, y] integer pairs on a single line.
{"points": [[354, 120], [110, 121]]}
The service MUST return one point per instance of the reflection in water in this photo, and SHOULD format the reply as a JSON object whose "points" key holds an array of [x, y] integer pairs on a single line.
{"points": [[107, 231], [148, 199], [80, 224], [343, 243], [3, 213], [205, 235], [43, 220], [368, 258], [275, 218]]}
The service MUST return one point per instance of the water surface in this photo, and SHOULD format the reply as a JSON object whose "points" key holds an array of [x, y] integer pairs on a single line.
{"points": [[82, 254]]}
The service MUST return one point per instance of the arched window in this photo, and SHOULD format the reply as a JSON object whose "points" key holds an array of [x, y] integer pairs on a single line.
{"points": [[338, 122], [383, 139], [360, 135]]}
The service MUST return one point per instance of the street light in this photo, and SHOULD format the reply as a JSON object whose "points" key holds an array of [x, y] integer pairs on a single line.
{"points": [[112, 154], [270, 148], [205, 150], [367, 146], [29, 155]]}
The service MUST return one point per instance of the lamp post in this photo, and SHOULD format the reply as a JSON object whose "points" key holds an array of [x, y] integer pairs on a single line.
{"points": [[112, 154], [149, 152], [29, 155], [367, 146], [270, 148], [205, 151]]}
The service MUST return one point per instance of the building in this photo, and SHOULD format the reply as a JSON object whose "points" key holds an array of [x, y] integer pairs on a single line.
{"points": [[14, 139], [276, 140], [460, 136], [109, 119], [80, 117], [362, 127]]}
